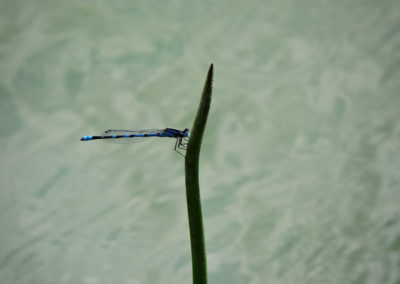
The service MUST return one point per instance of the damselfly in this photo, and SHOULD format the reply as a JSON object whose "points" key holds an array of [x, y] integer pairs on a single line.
{"points": [[133, 136]]}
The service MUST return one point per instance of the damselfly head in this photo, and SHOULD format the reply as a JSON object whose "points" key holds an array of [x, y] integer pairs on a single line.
{"points": [[186, 132]]}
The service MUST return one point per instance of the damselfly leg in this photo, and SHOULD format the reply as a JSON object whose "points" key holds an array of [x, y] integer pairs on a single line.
{"points": [[180, 144], [183, 142]]}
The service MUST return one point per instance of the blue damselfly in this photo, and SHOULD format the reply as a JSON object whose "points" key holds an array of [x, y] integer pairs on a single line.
{"points": [[134, 136]]}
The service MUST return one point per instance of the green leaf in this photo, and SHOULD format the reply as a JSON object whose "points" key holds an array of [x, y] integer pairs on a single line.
{"points": [[199, 262]]}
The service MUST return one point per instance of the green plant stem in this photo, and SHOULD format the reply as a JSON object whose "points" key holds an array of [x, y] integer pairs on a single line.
{"points": [[199, 262]]}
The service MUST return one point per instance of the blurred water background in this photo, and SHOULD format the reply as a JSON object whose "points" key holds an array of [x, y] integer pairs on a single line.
{"points": [[300, 160]]}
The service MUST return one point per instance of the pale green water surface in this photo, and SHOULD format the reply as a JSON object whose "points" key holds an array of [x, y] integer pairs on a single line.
{"points": [[301, 156]]}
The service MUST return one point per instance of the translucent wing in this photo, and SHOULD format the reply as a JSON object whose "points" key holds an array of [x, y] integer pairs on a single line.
{"points": [[128, 140]]}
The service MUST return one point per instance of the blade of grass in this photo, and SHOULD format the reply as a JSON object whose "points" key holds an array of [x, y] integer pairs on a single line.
{"points": [[199, 262]]}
